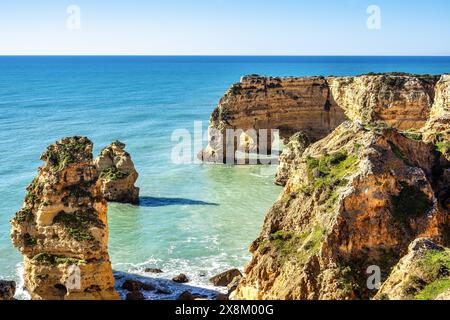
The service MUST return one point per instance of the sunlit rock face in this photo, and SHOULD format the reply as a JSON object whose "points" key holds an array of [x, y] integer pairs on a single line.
{"points": [[357, 198], [117, 174], [62, 228], [316, 106]]}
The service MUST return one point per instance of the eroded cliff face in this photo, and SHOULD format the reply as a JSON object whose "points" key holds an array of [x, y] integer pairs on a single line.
{"points": [[401, 101], [437, 129], [290, 157], [62, 228], [317, 105], [423, 274], [117, 174], [287, 104], [357, 198]]}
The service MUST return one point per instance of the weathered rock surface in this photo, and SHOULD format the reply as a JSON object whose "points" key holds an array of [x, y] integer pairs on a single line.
{"points": [[290, 157], [224, 279], [181, 278], [358, 198], [62, 228], [288, 104], [117, 174], [7, 290], [437, 129], [317, 105], [424, 273], [402, 101]]}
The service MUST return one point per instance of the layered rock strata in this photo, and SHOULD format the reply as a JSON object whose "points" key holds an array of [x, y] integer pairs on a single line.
{"points": [[316, 106], [437, 129], [117, 174], [358, 198], [62, 228]]}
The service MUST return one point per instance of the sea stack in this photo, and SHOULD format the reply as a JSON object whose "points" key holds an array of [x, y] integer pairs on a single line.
{"points": [[62, 228], [117, 174]]}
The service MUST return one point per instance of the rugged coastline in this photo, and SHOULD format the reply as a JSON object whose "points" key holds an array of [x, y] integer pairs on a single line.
{"points": [[366, 177]]}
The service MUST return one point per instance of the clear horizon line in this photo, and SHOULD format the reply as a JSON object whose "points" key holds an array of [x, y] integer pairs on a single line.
{"points": [[215, 55]]}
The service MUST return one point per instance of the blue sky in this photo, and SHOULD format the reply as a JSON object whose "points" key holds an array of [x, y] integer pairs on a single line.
{"points": [[225, 27]]}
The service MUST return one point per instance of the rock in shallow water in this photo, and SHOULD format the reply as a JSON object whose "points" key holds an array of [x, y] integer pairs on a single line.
{"points": [[181, 278], [7, 290], [153, 270], [62, 227], [117, 174], [225, 278], [135, 295]]}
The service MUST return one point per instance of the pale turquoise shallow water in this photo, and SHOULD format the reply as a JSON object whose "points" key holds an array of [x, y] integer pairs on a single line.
{"points": [[196, 219]]}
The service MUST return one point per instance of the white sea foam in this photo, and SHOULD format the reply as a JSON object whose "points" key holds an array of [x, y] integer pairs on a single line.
{"points": [[21, 293]]}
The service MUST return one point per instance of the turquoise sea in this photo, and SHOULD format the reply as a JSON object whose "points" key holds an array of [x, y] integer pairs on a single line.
{"points": [[193, 218]]}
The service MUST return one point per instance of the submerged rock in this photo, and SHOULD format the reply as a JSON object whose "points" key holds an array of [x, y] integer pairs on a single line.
{"points": [[424, 273], [358, 198], [186, 296], [223, 279], [135, 295], [117, 174], [62, 227], [7, 290], [153, 270]]}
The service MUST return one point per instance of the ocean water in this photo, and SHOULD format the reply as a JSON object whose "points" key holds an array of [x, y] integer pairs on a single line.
{"points": [[193, 218]]}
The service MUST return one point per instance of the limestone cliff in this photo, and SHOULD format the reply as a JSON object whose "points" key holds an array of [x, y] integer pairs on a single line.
{"points": [[287, 104], [358, 198], [117, 174], [290, 157], [437, 129], [424, 274], [62, 228], [317, 105]]}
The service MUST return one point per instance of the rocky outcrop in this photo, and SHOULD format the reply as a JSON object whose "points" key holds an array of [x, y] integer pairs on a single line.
{"points": [[260, 103], [437, 129], [358, 198], [117, 174], [62, 228], [225, 278], [7, 290], [424, 273], [316, 106], [289, 158], [402, 101]]}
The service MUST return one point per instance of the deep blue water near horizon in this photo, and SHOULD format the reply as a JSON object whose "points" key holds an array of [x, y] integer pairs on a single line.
{"points": [[195, 219]]}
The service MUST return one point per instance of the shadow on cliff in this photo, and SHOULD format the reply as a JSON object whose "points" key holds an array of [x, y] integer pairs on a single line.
{"points": [[163, 289], [162, 202]]}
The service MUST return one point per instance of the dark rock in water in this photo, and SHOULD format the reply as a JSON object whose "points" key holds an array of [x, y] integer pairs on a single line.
{"points": [[132, 285], [224, 279], [186, 296], [7, 290], [222, 297], [135, 295], [181, 278], [153, 270], [163, 291], [233, 284], [148, 287]]}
